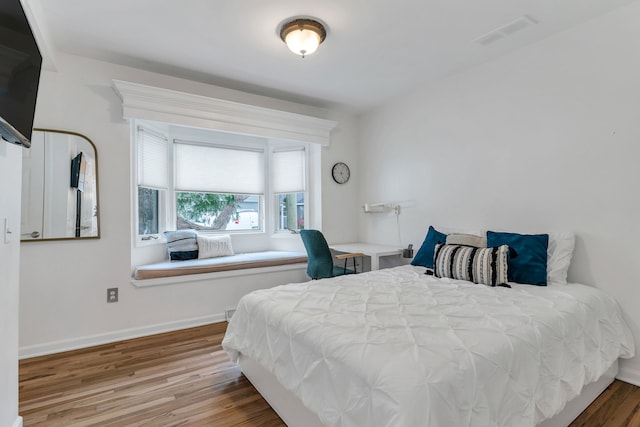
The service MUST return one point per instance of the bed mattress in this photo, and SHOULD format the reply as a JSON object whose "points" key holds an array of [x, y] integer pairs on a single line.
{"points": [[395, 347]]}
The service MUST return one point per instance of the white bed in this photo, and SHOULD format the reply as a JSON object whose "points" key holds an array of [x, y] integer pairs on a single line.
{"points": [[395, 347]]}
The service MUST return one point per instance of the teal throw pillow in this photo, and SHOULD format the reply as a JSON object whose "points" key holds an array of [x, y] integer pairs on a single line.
{"points": [[530, 266], [424, 257]]}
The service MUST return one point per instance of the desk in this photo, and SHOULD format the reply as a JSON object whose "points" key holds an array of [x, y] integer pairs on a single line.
{"points": [[372, 250]]}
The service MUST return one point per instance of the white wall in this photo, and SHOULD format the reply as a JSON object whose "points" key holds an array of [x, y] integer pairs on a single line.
{"points": [[544, 139], [10, 178], [63, 284]]}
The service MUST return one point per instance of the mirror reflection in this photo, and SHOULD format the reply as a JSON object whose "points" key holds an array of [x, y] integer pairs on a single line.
{"points": [[59, 187]]}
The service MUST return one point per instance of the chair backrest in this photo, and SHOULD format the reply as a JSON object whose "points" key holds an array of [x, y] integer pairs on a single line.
{"points": [[320, 260]]}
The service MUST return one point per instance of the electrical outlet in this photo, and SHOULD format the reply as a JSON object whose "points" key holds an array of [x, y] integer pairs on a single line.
{"points": [[228, 313], [112, 295]]}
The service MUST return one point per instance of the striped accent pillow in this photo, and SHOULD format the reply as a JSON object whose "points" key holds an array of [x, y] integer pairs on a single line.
{"points": [[182, 244], [487, 266]]}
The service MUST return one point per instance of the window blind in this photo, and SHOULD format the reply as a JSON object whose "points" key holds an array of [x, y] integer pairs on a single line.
{"points": [[152, 159], [217, 169], [288, 171]]}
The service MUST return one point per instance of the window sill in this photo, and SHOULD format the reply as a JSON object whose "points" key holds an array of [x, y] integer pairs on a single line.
{"points": [[217, 275], [285, 235], [139, 243]]}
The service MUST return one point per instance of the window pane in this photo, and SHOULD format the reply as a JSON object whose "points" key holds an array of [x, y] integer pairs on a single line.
{"points": [[290, 211], [147, 211], [213, 211]]}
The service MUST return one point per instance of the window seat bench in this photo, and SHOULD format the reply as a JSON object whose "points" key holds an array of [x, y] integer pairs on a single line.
{"points": [[213, 265]]}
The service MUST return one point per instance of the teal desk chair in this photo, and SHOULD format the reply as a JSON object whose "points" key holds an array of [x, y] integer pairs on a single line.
{"points": [[320, 259]]}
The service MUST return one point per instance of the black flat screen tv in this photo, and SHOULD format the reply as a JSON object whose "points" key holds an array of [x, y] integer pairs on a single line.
{"points": [[20, 64]]}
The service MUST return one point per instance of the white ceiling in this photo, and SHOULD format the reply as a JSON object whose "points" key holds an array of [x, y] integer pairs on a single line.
{"points": [[375, 49]]}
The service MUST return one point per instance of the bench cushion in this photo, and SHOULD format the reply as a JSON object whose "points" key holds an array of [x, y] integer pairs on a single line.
{"points": [[225, 263]]}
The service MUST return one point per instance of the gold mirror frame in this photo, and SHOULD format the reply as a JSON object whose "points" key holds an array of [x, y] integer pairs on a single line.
{"points": [[30, 215]]}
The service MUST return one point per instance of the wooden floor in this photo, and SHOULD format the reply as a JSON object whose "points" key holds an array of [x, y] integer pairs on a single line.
{"points": [[179, 378], [184, 378]]}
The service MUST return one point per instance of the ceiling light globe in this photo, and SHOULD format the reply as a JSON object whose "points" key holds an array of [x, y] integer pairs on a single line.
{"points": [[302, 42], [303, 36]]}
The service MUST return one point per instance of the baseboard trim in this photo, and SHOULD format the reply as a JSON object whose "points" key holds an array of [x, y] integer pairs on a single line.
{"points": [[629, 375], [109, 337], [18, 422]]}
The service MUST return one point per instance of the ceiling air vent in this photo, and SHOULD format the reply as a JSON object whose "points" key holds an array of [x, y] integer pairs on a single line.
{"points": [[506, 30]]}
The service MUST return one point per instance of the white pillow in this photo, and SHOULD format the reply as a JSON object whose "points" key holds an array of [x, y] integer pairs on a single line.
{"points": [[467, 240], [212, 246], [559, 254]]}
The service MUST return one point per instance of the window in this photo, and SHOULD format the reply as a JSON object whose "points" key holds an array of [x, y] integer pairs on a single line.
{"points": [[151, 152], [218, 182], [148, 206], [290, 211], [289, 179], [218, 187], [217, 212]]}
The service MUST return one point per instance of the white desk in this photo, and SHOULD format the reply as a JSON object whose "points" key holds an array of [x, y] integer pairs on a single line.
{"points": [[372, 250]]}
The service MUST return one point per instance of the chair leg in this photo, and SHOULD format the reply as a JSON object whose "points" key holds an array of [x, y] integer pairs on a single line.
{"points": [[345, 266], [355, 269]]}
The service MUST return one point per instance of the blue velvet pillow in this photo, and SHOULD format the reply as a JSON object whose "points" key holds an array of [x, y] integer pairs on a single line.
{"points": [[424, 257], [530, 266]]}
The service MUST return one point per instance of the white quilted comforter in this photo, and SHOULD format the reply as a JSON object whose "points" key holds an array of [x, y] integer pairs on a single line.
{"points": [[395, 347]]}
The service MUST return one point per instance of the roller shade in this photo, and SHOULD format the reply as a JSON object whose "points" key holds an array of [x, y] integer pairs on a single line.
{"points": [[152, 159], [217, 169], [288, 171]]}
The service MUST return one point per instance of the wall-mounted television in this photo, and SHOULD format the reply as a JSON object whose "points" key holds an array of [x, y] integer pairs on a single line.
{"points": [[20, 64]]}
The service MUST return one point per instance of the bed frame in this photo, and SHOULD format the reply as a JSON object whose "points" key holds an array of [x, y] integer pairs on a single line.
{"points": [[290, 408]]}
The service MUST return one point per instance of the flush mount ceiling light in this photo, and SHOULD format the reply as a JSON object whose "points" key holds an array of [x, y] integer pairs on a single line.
{"points": [[303, 36]]}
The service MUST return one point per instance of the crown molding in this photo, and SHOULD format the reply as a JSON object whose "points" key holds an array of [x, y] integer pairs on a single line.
{"points": [[169, 106]]}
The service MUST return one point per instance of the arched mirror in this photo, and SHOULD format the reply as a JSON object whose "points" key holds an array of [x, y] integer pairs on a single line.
{"points": [[59, 187]]}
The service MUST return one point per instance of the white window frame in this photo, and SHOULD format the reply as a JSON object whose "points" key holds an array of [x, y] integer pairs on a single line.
{"points": [[211, 141], [167, 198], [163, 195], [161, 105], [307, 192]]}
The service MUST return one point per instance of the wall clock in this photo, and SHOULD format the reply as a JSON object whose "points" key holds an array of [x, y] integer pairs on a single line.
{"points": [[340, 173]]}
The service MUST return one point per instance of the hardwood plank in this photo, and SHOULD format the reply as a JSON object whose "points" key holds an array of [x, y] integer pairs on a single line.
{"points": [[607, 408], [597, 404], [181, 378], [627, 410], [185, 378]]}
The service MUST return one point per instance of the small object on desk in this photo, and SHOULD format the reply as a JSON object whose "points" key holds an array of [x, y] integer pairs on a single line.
{"points": [[408, 253]]}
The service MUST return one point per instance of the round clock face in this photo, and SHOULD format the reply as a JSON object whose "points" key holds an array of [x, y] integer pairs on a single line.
{"points": [[340, 173]]}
